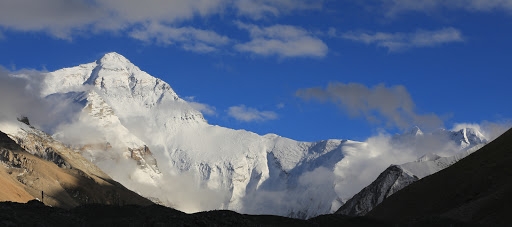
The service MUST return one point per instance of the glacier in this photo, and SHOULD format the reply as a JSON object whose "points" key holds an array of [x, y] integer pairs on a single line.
{"points": [[139, 131]]}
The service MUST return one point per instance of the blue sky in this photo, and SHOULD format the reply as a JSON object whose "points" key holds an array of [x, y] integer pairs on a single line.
{"points": [[307, 70]]}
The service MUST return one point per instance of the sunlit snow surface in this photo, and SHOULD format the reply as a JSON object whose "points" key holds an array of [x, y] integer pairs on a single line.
{"points": [[205, 167]]}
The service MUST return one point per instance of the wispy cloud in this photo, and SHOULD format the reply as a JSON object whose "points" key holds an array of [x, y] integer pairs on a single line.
{"points": [[281, 40], [394, 7], [403, 41], [379, 104], [188, 38], [56, 17], [248, 114], [63, 18], [201, 107], [259, 9]]}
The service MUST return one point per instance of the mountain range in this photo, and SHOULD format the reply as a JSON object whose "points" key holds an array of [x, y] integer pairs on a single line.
{"points": [[138, 131]]}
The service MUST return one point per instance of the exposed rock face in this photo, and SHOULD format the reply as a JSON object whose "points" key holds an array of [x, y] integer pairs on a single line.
{"points": [[390, 181], [144, 158], [61, 175], [39, 144]]}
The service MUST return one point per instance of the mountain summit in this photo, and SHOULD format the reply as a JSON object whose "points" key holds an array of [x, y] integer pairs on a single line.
{"points": [[114, 58], [140, 132]]}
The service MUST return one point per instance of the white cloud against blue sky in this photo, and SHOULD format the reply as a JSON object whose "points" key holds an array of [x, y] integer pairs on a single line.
{"points": [[281, 40], [400, 41], [248, 114], [448, 58], [394, 7]]}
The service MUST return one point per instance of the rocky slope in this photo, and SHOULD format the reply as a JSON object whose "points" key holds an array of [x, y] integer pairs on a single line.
{"points": [[54, 174]]}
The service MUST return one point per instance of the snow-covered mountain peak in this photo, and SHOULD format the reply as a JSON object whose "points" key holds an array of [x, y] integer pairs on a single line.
{"points": [[474, 136], [123, 86], [114, 60], [466, 137]]}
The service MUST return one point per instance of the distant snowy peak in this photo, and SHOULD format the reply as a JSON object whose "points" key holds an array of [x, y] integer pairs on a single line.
{"points": [[465, 138], [472, 136]]}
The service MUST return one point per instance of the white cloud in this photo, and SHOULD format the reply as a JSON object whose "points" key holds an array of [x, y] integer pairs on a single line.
{"points": [[247, 114], [162, 22], [66, 18], [201, 107], [394, 7], [57, 17], [362, 165], [21, 92], [379, 104], [258, 9], [189, 38], [402, 41], [282, 41]]}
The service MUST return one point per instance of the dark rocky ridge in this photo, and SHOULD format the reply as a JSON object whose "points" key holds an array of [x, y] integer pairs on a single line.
{"points": [[388, 182], [477, 189]]}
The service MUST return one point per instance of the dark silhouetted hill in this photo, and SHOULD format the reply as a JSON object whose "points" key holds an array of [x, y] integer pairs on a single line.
{"points": [[34, 213], [477, 189]]}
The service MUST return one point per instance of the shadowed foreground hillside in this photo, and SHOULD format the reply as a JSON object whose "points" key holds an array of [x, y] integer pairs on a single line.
{"points": [[477, 189], [34, 213]]}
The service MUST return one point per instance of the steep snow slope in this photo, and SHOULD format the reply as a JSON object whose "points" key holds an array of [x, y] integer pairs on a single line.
{"points": [[192, 165]]}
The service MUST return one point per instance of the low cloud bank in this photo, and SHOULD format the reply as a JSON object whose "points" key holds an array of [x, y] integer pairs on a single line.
{"points": [[21, 97]]}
